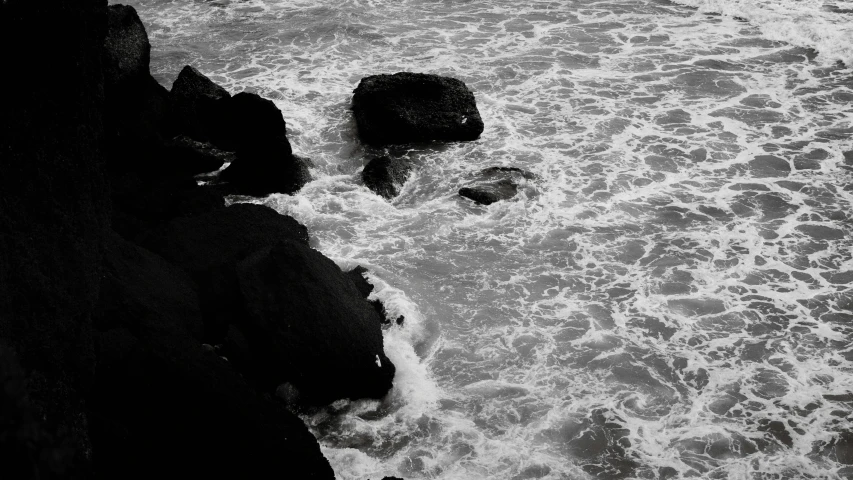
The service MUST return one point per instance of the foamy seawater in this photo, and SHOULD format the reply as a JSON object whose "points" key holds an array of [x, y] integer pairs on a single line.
{"points": [[669, 298]]}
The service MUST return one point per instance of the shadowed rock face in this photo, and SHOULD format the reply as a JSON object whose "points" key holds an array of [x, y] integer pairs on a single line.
{"points": [[138, 109], [194, 99], [308, 325], [209, 245], [54, 211], [414, 107], [386, 176], [159, 398], [127, 52], [257, 132]]}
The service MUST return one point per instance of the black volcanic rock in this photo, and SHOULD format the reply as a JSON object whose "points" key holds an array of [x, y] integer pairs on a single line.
{"points": [[194, 98], [495, 184], [127, 52], [386, 176], [308, 325], [265, 162], [159, 401], [414, 107], [54, 212], [209, 245]]}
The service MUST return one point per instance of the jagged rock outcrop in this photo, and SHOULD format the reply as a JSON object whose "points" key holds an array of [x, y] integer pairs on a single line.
{"points": [[365, 288], [414, 107], [194, 98], [183, 156], [495, 184], [386, 176]]}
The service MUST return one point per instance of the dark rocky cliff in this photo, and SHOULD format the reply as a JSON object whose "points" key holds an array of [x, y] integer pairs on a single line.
{"points": [[53, 218], [103, 368]]}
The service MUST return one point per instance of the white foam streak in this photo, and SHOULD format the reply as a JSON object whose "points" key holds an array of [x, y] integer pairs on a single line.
{"points": [[799, 22]]}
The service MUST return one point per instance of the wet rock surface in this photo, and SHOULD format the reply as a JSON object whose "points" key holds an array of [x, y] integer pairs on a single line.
{"points": [[365, 288], [495, 184], [386, 175], [414, 107]]}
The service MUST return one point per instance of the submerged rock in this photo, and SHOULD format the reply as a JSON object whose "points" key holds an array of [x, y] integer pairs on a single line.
{"points": [[194, 97], [415, 107], [307, 324], [495, 184], [386, 176]]}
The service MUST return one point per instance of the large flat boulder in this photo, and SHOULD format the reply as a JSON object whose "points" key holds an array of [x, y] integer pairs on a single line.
{"points": [[308, 326], [414, 107]]}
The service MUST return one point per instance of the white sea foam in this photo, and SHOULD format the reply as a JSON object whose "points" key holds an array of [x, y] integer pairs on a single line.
{"points": [[826, 26], [654, 279]]}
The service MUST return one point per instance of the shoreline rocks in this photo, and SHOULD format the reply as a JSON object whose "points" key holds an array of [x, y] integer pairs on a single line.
{"points": [[414, 107], [103, 330]]}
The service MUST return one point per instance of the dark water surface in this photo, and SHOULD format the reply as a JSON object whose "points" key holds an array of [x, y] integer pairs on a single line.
{"points": [[670, 297]]}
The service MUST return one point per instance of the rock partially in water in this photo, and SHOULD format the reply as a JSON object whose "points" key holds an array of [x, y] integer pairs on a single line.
{"points": [[365, 288], [194, 97], [495, 184], [208, 247], [307, 324], [386, 176], [415, 107], [258, 133]]}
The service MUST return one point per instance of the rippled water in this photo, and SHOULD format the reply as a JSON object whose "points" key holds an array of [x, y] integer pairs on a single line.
{"points": [[669, 298]]}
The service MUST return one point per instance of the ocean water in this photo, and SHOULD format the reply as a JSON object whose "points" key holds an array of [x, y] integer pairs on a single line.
{"points": [[670, 297]]}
